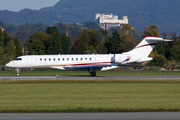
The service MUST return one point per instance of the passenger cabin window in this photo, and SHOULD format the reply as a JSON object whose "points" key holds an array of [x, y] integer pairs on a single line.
{"points": [[58, 59], [86, 59], [44, 59], [49, 59], [54, 59], [67, 59], [40, 59], [72, 59], [76, 59], [81, 59], [90, 59], [18, 59], [63, 59]]}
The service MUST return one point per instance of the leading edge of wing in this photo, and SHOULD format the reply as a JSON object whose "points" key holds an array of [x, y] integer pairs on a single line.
{"points": [[89, 66]]}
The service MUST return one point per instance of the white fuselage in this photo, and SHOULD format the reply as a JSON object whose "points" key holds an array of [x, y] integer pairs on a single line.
{"points": [[63, 62]]}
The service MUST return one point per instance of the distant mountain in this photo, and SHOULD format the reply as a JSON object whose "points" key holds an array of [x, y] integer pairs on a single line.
{"points": [[163, 13]]}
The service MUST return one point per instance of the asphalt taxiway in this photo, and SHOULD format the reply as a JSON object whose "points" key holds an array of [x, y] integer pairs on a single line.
{"points": [[92, 116], [88, 77]]}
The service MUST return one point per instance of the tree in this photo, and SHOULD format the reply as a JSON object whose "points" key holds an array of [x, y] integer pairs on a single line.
{"points": [[1, 39], [9, 52], [93, 42], [66, 44], [10, 48], [73, 29], [168, 49], [61, 27], [114, 44], [36, 45], [67, 31], [91, 25], [80, 45], [6, 37], [158, 60], [53, 44], [1, 55], [18, 47], [127, 38], [101, 38], [159, 48], [151, 30], [51, 30], [175, 50], [86, 42], [137, 34], [1, 51], [101, 35]]}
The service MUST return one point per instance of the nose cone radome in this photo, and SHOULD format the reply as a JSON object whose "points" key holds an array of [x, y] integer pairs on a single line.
{"points": [[10, 64]]}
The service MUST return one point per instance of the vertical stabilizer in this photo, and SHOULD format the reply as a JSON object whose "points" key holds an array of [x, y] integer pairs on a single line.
{"points": [[145, 47]]}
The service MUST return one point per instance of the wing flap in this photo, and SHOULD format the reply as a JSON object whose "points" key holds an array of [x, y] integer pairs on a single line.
{"points": [[89, 66]]}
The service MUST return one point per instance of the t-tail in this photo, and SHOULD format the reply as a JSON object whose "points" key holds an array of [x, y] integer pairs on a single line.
{"points": [[141, 52], [145, 47]]}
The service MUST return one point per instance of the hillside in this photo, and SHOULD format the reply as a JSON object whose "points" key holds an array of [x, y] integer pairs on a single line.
{"points": [[163, 13]]}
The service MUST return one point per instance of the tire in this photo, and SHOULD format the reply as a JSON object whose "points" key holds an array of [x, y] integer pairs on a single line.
{"points": [[17, 74], [93, 73]]}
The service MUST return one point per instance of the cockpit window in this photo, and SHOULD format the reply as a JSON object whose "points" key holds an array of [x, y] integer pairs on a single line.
{"points": [[19, 59]]}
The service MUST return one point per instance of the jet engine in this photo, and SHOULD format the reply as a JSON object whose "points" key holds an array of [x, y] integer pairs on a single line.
{"points": [[119, 58], [125, 59]]}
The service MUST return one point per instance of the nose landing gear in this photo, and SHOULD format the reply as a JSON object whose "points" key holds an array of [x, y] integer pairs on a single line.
{"points": [[17, 74]]}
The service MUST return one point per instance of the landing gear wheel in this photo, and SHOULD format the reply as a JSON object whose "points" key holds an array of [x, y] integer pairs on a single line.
{"points": [[17, 74], [93, 73]]}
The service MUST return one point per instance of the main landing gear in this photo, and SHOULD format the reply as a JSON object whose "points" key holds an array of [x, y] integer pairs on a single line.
{"points": [[93, 73], [17, 74]]}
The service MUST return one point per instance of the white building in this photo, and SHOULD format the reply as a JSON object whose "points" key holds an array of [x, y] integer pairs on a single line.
{"points": [[107, 21]]}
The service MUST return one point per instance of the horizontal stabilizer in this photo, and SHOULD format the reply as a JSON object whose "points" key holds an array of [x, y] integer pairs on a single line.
{"points": [[156, 39]]}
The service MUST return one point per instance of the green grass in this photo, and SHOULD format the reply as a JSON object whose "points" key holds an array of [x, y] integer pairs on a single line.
{"points": [[59, 72], [89, 96]]}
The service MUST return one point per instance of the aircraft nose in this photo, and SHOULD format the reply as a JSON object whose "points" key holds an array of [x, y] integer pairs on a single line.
{"points": [[10, 64]]}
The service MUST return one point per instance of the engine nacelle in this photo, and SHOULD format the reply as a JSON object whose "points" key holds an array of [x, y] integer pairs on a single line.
{"points": [[120, 58], [125, 59], [144, 59], [132, 59]]}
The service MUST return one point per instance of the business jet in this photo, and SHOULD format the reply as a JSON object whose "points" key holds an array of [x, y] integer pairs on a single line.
{"points": [[88, 62]]}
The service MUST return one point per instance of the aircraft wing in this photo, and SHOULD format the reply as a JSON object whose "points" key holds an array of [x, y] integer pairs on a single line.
{"points": [[89, 66]]}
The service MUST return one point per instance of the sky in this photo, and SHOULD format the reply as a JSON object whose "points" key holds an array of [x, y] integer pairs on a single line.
{"points": [[17, 5]]}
